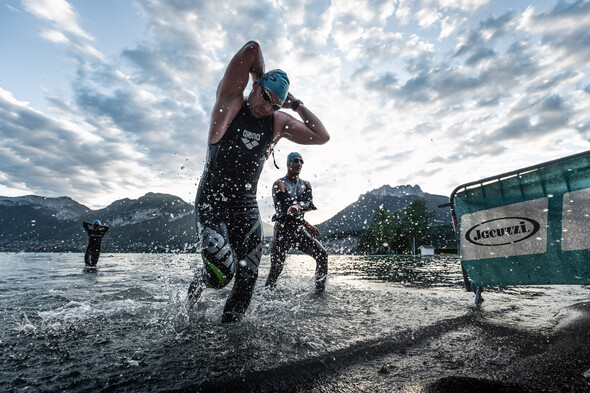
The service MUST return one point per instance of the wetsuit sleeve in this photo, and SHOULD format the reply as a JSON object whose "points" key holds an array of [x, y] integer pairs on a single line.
{"points": [[306, 201], [105, 229], [281, 205], [86, 225]]}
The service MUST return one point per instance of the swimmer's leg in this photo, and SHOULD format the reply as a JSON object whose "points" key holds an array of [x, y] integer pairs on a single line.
{"points": [[314, 248], [87, 259], [94, 257], [246, 275], [218, 261], [280, 246], [91, 257], [195, 290]]}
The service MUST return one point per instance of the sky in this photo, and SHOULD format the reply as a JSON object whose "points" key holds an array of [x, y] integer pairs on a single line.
{"points": [[111, 99]]}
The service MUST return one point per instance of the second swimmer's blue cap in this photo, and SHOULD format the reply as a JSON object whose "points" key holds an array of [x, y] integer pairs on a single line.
{"points": [[276, 81], [293, 155], [96, 222]]}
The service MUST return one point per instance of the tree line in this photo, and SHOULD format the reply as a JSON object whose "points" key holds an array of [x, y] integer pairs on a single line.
{"points": [[398, 232]]}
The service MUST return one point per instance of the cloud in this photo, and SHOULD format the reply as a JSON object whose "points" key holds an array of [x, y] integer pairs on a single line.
{"points": [[479, 55], [55, 36], [485, 70], [552, 103], [525, 127], [485, 34], [427, 17], [386, 81], [33, 147], [565, 28], [514, 129], [59, 12], [490, 101]]}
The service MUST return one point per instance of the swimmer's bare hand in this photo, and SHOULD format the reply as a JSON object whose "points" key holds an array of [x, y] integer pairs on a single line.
{"points": [[313, 231], [294, 209]]}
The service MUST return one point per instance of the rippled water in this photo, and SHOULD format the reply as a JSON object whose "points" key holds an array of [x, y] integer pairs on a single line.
{"points": [[125, 326]]}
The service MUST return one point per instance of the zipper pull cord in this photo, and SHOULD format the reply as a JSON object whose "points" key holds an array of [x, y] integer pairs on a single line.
{"points": [[272, 149]]}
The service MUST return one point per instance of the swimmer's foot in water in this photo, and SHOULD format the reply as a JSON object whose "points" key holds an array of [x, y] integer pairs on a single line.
{"points": [[195, 290], [320, 287], [320, 284]]}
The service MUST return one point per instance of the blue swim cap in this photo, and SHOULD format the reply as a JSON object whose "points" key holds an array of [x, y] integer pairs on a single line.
{"points": [[293, 155], [276, 81], [96, 222]]}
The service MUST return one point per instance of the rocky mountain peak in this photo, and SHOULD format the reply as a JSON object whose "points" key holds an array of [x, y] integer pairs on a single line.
{"points": [[64, 208], [398, 191]]}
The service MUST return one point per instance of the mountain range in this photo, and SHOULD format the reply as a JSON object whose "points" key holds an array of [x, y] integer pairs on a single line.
{"points": [[166, 223], [152, 223], [358, 215]]}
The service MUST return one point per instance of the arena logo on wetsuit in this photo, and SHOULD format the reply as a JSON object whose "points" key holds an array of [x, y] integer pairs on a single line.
{"points": [[214, 244], [511, 230], [251, 139], [252, 261]]}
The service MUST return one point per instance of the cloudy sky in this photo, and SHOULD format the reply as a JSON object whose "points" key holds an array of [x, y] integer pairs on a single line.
{"points": [[102, 100]]}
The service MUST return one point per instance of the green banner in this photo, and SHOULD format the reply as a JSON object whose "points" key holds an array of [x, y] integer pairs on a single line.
{"points": [[528, 227]]}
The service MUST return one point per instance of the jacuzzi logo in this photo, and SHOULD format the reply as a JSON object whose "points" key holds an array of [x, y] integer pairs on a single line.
{"points": [[502, 231]]}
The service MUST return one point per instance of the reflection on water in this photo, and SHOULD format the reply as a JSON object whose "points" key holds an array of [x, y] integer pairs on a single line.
{"points": [[404, 270]]}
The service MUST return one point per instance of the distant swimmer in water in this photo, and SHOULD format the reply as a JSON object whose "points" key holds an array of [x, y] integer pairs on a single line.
{"points": [[241, 134], [292, 199], [96, 232]]}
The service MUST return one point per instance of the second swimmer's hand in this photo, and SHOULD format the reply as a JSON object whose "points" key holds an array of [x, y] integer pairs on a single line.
{"points": [[294, 209]]}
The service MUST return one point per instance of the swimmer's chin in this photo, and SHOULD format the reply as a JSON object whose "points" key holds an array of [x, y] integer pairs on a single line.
{"points": [[257, 113]]}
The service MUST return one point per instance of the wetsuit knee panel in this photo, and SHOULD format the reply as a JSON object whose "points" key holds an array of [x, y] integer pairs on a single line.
{"points": [[249, 266], [217, 257], [214, 275]]}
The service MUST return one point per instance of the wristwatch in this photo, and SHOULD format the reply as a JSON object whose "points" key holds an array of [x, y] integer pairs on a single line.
{"points": [[296, 104]]}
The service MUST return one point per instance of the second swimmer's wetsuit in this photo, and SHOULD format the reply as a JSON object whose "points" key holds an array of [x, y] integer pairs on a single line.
{"points": [[290, 233], [227, 215]]}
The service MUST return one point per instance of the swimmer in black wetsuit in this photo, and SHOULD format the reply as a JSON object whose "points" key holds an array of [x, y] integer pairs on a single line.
{"points": [[241, 133], [96, 232], [292, 198]]}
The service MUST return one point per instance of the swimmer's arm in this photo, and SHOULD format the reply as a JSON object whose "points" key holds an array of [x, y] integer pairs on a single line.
{"points": [[277, 187], [230, 92], [247, 61], [306, 202], [307, 131], [313, 231]]}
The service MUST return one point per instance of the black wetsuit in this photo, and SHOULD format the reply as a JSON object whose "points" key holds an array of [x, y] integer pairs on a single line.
{"points": [[290, 233], [95, 236], [227, 215]]}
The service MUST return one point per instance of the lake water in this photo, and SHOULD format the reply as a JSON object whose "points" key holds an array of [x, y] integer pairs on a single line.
{"points": [[125, 326]]}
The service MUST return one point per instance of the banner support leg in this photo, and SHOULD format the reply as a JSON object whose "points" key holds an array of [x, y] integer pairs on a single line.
{"points": [[478, 297], [466, 280]]}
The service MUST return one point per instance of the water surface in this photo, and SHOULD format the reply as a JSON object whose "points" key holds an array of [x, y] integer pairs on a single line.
{"points": [[126, 327]]}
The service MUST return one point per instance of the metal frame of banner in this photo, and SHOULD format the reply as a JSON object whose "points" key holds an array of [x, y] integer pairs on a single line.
{"points": [[480, 183]]}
